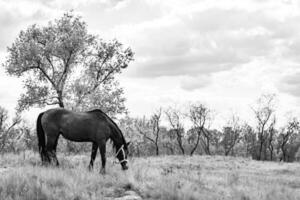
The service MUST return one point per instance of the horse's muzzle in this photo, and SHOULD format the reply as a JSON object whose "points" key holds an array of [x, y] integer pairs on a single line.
{"points": [[124, 166]]}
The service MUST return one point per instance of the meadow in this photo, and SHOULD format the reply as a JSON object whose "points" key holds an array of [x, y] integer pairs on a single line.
{"points": [[165, 177]]}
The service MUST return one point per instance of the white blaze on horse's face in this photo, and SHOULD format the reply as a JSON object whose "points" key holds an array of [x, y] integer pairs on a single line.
{"points": [[122, 157]]}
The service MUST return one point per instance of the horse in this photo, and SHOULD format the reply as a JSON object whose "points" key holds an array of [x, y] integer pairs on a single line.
{"points": [[91, 126]]}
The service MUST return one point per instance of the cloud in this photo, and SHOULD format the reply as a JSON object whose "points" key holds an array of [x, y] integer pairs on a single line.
{"points": [[191, 83], [18, 15], [172, 38], [290, 84], [210, 40]]}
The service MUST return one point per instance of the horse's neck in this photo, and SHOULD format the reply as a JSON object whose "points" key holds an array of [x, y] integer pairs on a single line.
{"points": [[116, 135], [117, 140]]}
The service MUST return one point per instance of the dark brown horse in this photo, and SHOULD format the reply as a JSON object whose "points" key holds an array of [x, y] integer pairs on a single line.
{"points": [[92, 126]]}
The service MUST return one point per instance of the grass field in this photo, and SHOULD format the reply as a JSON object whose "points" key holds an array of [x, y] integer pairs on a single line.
{"points": [[165, 177]]}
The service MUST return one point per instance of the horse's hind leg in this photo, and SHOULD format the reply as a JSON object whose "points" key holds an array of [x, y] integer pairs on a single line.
{"points": [[93, 155], [51, 148]]}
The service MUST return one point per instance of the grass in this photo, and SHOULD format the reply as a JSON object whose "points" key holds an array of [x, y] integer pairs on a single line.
{"points": [[164, 177]]}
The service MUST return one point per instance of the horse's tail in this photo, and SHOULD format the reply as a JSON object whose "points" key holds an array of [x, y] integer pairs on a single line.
{"points": [[41, 138]]}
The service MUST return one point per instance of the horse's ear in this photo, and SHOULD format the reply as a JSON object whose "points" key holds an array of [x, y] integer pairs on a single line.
{"points": [[128, 143]]}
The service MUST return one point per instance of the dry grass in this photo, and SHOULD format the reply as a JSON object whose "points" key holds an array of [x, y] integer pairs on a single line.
{"points": [[165, 177]]}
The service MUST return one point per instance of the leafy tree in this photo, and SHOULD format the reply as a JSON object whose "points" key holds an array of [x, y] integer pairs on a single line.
{"points": [[7, 130], [216, 140], [168, 141], [231, 134], [287, 137], [200, 115], [248, 139], [64, 65]]}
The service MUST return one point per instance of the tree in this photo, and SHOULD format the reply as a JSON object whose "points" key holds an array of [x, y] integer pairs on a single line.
{"points": [[64, 65], [7, 132], [109, 98], [199, 115], [231, 134], [263, 113], [216, 139], [271, 136], [287, 137], [150, 129], [249, 139], [175, 120]]}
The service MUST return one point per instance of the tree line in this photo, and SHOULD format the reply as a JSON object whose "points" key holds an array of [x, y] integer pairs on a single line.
{"points": [[260, 142], [149, 137]]}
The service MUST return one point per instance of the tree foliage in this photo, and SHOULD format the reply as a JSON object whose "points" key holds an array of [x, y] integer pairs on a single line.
{"points": [[287, 138], [62, 64], [231, 134], [8, 131]]}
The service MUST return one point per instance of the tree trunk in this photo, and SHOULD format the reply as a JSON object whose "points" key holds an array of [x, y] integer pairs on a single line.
{"points": [[196, 145], [265, 152], [207, 146], [60, 99], [157, 149], [227, 152], [260, 146], [180, 144], [271, 154], [138, 151], [283, 154], [283, 149], [61, 103], [182, 149]]}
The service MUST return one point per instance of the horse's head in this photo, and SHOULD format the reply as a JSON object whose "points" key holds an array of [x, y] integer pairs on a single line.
{"points": [[121, 154]]}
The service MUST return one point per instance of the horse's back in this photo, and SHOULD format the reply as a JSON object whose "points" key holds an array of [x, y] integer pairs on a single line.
{"points": [[77, 126]]}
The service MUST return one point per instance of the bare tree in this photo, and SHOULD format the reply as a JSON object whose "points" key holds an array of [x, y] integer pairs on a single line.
{"points": [[199, 115], [232, 134], [175, 120], [263, 113], [152, 129], [287, 137]]}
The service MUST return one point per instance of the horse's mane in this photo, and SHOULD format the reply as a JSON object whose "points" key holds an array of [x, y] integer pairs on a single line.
{"points": [[115, 126]]}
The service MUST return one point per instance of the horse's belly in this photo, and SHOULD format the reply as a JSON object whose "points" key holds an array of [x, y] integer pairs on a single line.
{"points": [[77, 139], [77, 135]]}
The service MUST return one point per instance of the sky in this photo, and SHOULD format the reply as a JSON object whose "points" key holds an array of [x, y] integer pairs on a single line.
{"points": [[224, 54]]}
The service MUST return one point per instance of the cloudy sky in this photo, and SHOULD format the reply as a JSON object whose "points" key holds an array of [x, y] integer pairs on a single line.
{"points": [[222, 53]]}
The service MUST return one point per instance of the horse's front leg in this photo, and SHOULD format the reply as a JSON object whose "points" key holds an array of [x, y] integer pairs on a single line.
{"points": [[102, 148], [93, 155]]}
